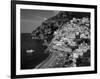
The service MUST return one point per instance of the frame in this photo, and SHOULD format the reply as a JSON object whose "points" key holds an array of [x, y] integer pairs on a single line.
{"points": [[25, 65]]}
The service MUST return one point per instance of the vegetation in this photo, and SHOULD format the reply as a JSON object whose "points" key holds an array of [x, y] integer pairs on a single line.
{"points": [[68, 37]]}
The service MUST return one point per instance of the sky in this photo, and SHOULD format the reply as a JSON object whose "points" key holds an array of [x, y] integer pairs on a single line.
{"points": [[30, 18]]}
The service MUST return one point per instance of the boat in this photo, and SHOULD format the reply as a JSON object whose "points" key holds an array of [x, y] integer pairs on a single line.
{"points": [[30, 51]]}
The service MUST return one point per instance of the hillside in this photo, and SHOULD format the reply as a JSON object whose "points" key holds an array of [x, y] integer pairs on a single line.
{"points": [[67, 36], [46, 29]]}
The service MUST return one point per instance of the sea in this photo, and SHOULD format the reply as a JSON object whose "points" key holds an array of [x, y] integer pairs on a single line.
{"points": [[31, 60]]}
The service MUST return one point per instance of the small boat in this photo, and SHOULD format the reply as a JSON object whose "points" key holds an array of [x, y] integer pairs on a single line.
{"points": [[30, 51]]}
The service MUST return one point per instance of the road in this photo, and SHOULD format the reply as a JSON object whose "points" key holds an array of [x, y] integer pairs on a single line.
{"points": [[48, 62]]}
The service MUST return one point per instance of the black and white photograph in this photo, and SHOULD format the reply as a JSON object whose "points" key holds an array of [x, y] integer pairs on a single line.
{"points": [[55, 39]]}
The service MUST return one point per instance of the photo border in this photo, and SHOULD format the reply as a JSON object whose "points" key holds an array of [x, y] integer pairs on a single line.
{"points": [[13, 38]]}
